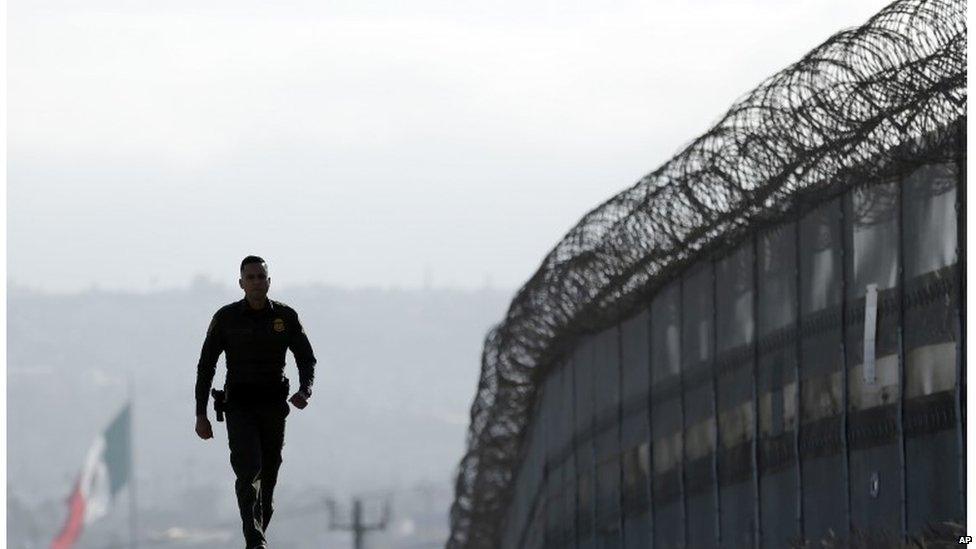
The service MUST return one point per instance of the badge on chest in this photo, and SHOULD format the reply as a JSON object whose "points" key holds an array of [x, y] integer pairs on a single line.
{"points": [[278, 325]]}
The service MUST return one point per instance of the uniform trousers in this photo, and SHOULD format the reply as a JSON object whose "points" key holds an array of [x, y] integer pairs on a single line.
{"points": [[256, 435]]}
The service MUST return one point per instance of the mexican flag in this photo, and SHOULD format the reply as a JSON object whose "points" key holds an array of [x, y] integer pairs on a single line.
{"points": [[106, 470]]}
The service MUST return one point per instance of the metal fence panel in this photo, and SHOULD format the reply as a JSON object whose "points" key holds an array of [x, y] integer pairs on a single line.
{"points": [[519, 511], [931, 345], [874, 390], [734, 304], [570, 482], [555, 410], [607, 448], [777, 385], [584, 372], [624, 449], [854, 411], [821, 368], [635, 430], [529, 492], [535, 535], [666, 423], [698, 342]]}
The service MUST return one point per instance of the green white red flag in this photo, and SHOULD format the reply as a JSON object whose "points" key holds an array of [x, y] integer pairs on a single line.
{"points": [[106, 471]]}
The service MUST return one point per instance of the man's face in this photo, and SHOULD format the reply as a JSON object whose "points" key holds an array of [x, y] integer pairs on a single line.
{"points": [[255, 280]]}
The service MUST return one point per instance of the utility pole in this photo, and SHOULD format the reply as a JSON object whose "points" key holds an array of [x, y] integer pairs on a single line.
{"points": [[357, 526]]}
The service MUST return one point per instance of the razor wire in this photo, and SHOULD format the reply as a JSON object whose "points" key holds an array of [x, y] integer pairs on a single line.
{"points": [[869, 103]]}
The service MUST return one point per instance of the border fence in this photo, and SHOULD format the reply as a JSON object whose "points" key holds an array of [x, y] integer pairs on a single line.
{"points": [[759, 343]]}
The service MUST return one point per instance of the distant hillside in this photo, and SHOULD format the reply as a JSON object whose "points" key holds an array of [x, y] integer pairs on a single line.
{"points": [[397, 372]]}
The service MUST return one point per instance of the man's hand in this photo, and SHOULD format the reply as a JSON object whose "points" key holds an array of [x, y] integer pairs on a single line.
{"points": [[204, 430], [298, 400]]}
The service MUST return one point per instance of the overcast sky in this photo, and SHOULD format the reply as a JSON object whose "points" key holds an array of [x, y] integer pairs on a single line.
{"points": [[356, 143]]}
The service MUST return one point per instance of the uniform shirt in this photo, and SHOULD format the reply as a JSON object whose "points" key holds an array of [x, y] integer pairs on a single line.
{"points": [[254, 342]]}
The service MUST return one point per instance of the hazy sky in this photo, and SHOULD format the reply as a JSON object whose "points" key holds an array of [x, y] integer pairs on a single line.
{"points": [[356, 143]]}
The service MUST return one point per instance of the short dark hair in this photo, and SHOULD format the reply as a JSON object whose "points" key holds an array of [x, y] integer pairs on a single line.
{"points": [[253, 259]]}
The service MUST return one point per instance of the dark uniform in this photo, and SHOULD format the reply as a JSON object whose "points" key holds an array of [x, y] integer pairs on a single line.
{"points": [[254, 342]]}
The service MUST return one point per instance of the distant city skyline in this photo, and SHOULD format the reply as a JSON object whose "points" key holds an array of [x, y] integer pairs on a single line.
{"points": [[356, 144]]}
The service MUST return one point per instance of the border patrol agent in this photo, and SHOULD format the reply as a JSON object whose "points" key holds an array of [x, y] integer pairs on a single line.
{"points": [[254, 334]]}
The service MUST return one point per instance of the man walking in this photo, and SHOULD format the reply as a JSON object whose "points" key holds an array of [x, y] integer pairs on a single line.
{"points": [[254, 334]]}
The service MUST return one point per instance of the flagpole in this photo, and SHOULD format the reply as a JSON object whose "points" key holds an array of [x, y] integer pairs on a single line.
{"points": [[133, 508]]}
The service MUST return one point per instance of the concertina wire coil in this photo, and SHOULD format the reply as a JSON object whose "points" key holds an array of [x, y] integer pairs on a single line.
{"points": [[869, 103]]}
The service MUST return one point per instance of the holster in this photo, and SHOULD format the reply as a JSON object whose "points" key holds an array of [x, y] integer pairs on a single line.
{"points": [[220, 403]]}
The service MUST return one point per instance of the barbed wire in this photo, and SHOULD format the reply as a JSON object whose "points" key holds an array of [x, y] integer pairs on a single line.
{"points": [[868, 104]]}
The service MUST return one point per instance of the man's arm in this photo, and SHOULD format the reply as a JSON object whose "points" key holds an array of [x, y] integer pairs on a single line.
{"points": [[213, 345], [304, 358]]}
